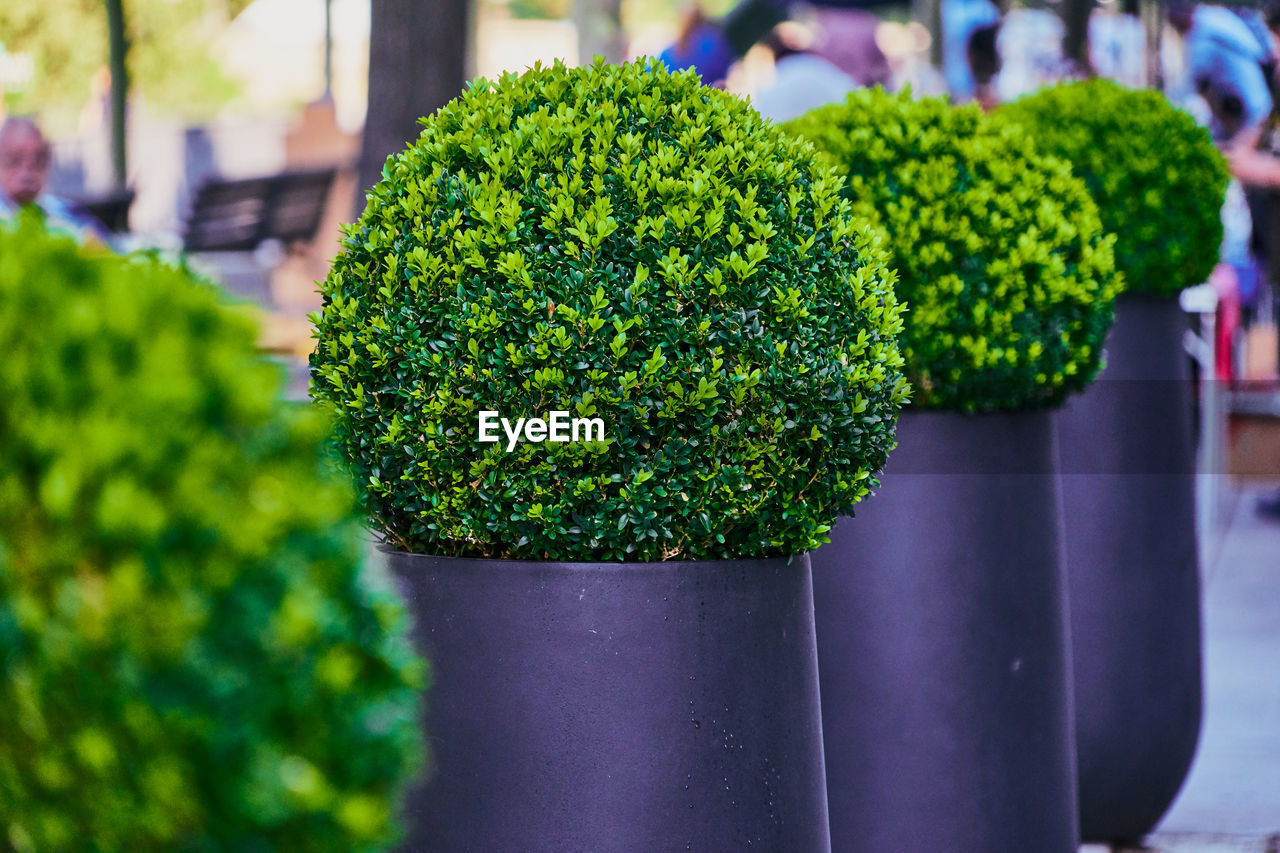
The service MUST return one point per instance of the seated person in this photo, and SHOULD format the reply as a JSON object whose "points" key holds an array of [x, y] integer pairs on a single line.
{"points": [[25, 156]]}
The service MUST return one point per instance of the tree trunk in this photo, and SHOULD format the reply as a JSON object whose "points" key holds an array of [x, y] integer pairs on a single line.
{"points": [[599, 24], [1075, 43], [1153, 22], [328, 50], [118, 46], [417, 63]]}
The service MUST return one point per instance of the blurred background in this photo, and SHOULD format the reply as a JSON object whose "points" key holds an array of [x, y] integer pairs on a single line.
{"points": [[241, 133], [146, 102], [230, 89], [235, 130]]}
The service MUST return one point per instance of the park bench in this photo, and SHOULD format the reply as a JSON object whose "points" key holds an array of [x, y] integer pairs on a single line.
{"points": [[245, 223], [110, 209], [239, 215]]}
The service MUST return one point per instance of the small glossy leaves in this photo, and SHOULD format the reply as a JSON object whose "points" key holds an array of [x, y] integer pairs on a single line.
{"points": [[1155, 174], [621, 243], [999, 250]]}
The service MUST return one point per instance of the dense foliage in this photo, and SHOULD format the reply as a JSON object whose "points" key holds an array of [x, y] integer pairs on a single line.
{"points": [[190, 657], [620, 243], [999, 251], [1155, 174]]}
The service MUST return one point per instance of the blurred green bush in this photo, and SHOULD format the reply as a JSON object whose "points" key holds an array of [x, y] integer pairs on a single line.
{"points": [[1155, 174], [622, 243], [1002, 262], [190, 656]]}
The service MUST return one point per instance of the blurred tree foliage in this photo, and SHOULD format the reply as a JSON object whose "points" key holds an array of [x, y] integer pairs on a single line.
{"points": [[171, 62], [539, 8]]}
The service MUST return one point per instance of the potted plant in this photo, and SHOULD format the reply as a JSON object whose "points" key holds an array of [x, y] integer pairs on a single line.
{"points": [[193, 659], [1127, 450], [941, 622], [619, 620]]}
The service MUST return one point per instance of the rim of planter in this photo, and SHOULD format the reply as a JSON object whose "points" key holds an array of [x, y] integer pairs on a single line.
{"points": [[588, 564]]}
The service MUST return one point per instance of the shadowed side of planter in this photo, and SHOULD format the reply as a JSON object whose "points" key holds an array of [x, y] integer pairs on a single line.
{"points": [[943, 648], [618, 707], [1129, 512]]}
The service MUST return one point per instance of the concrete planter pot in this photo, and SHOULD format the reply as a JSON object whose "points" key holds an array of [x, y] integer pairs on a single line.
{"points": [[1129, 498], [943, 649], [617, 707]]}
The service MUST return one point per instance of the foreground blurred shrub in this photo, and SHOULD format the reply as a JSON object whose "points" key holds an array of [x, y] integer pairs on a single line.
{"points": [[190, 658], [1002, 261], [1156, 176]]}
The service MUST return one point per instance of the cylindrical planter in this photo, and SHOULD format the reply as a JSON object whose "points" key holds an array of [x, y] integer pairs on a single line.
{"points": [[617, 707], [942, 647], [1129, 498]]}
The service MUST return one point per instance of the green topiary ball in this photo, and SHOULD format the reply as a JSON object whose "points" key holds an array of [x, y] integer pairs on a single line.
{"points": [[1002, 262], [1156, 176], [621, 244], [190, 658]]}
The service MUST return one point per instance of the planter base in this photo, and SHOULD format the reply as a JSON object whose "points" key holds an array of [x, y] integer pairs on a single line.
{"points": [[942, 647], [617, 707], [1134, 587]]}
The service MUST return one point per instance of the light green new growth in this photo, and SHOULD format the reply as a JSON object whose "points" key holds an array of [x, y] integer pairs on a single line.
{"points": [[999, 250]]}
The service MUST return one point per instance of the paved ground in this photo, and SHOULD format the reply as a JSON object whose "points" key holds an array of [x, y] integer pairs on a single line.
{"points": [[1197, 842], [1231, 801]]}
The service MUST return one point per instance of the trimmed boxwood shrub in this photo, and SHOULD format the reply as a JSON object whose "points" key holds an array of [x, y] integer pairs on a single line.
{"points": [[190, 658], [621, 243], [999, 251], [1155, 174]]}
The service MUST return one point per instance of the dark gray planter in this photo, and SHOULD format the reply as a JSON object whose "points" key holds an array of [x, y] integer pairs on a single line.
{"points": [[1129, 499], [942, 647], [618, 707]]}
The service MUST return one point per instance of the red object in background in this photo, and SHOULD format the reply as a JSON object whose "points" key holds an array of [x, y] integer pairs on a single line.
{"points": [[1227, 286]]}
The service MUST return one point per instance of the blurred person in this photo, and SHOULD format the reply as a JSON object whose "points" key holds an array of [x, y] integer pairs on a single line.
{"points": [[960, 20], [984, 62], [847, 39], [713, 45], [1118, 47], [1226, 56], [1030, 48], [25, 157], [802, 79], [1254, 158], [906, 47], [700, 44]]}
